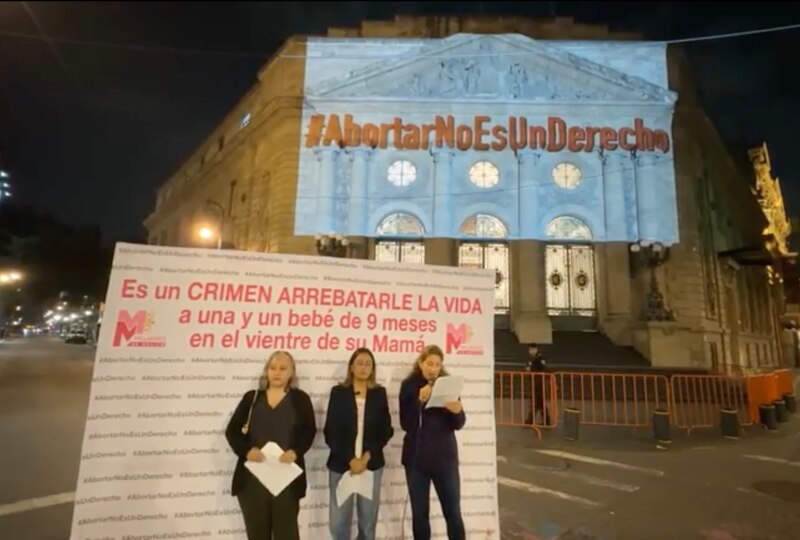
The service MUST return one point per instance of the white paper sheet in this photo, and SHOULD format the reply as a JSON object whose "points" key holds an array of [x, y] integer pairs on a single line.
{"points": [[359, 484], [445, 390], [271, 472]]}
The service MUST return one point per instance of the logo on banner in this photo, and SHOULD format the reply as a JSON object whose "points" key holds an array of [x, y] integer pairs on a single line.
{"points": [[458, 339], [134, 330]]}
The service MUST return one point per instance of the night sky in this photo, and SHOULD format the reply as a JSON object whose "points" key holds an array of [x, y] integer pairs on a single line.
{"points": [[90, 131]]}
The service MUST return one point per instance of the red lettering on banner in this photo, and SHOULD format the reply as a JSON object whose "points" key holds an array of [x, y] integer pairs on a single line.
{"points": [[229, 292], [431, 305], [391, 324], [340, 298], [388, 344], [286, 341], [311, 320], [133, 289], [468, 306]]}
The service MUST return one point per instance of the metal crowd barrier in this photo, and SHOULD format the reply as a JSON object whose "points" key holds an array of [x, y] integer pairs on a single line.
{"points": [[538, 400]]}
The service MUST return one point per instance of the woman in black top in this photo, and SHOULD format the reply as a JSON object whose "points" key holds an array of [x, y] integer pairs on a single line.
{"points": [[358, 426], [280, 413], [430, 449]]}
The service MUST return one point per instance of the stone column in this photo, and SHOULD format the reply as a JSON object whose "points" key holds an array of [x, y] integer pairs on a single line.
{"points": [[326, 200], [528, 196], [614, 164], [358, 207], [442, 203], [531, 322], [647, 202]]}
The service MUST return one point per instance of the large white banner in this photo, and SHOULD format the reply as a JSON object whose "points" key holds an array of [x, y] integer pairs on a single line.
{"points": [[187, 331]]}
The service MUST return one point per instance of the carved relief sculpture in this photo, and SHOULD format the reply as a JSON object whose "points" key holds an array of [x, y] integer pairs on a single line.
{"points": [[770, 198]]}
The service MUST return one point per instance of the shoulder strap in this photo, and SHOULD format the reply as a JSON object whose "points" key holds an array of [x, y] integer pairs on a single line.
{"points": [[246, 426]]}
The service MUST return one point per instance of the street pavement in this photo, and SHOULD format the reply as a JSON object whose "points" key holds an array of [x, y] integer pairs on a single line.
{"points": [[608, 485]]}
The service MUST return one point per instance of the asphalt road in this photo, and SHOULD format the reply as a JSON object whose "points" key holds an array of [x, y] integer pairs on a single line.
{"points": [[609, 485]]}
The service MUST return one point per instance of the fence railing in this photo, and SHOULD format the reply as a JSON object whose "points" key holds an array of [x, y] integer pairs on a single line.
{"points": [[525, 399], [697, 400], [620, 400], [536, 399]]}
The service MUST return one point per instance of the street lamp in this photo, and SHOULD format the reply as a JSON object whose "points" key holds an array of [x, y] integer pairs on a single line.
{"points": [[652, 255], [5, 187], [208, 231], [331, 245], [10, 277]]}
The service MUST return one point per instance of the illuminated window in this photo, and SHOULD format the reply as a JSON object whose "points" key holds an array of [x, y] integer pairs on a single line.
{"points": [[484, 226], [483, 174], [392, 245], [567, 175], [400, 224], [401, 173], [568, 228]]}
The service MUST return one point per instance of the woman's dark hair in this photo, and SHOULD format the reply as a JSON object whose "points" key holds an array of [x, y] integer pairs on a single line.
{"points": [[371, 382]]}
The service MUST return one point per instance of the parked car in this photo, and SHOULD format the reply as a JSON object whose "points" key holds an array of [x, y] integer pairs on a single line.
{"points": [[76, 336]]}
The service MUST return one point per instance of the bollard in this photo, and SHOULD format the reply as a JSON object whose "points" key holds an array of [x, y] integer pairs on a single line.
{"points": [[729, 422], [781, 414], [572, 422], [661, 429], [767, 416], [791, 402]]}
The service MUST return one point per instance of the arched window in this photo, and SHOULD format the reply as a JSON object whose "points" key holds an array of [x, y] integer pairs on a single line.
{"points": [[568, 228], [400, 239], [400, 224], [487, 248], [570, 273], [484, 226]]}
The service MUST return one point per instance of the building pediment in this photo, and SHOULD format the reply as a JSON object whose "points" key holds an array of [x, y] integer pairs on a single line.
{"points": [[492, 67]]}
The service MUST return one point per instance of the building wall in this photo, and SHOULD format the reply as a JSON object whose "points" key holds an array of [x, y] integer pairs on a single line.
{"points": [[720, 316]]}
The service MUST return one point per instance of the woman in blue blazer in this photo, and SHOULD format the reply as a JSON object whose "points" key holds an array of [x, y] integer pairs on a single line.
{"points": [[358, 426]]}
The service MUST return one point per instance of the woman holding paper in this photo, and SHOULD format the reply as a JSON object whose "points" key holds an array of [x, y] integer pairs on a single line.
{"points": [[358, 426], [430, 449], [278, 413]]}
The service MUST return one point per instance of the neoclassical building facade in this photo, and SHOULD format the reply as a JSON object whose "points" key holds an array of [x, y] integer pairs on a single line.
{"points": [[575, 162]]}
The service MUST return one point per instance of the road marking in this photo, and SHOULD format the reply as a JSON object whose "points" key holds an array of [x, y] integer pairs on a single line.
{"points": [[601, 482], [531, 488], [773, 460], [602, 462], [592, 480], [33, 504]]}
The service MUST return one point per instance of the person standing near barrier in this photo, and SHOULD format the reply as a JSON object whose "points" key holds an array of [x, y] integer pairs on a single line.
{"points": [[430, 449], [277, 412], [358, 426], [537, 364]]}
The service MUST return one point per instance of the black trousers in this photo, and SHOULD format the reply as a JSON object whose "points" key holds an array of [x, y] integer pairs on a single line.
{"points": [[267, 517], [447, 483]]}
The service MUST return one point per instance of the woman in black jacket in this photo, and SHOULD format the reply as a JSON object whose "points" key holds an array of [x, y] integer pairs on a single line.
{"points": [[280, 413], [430, 449], [358, 426]]}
